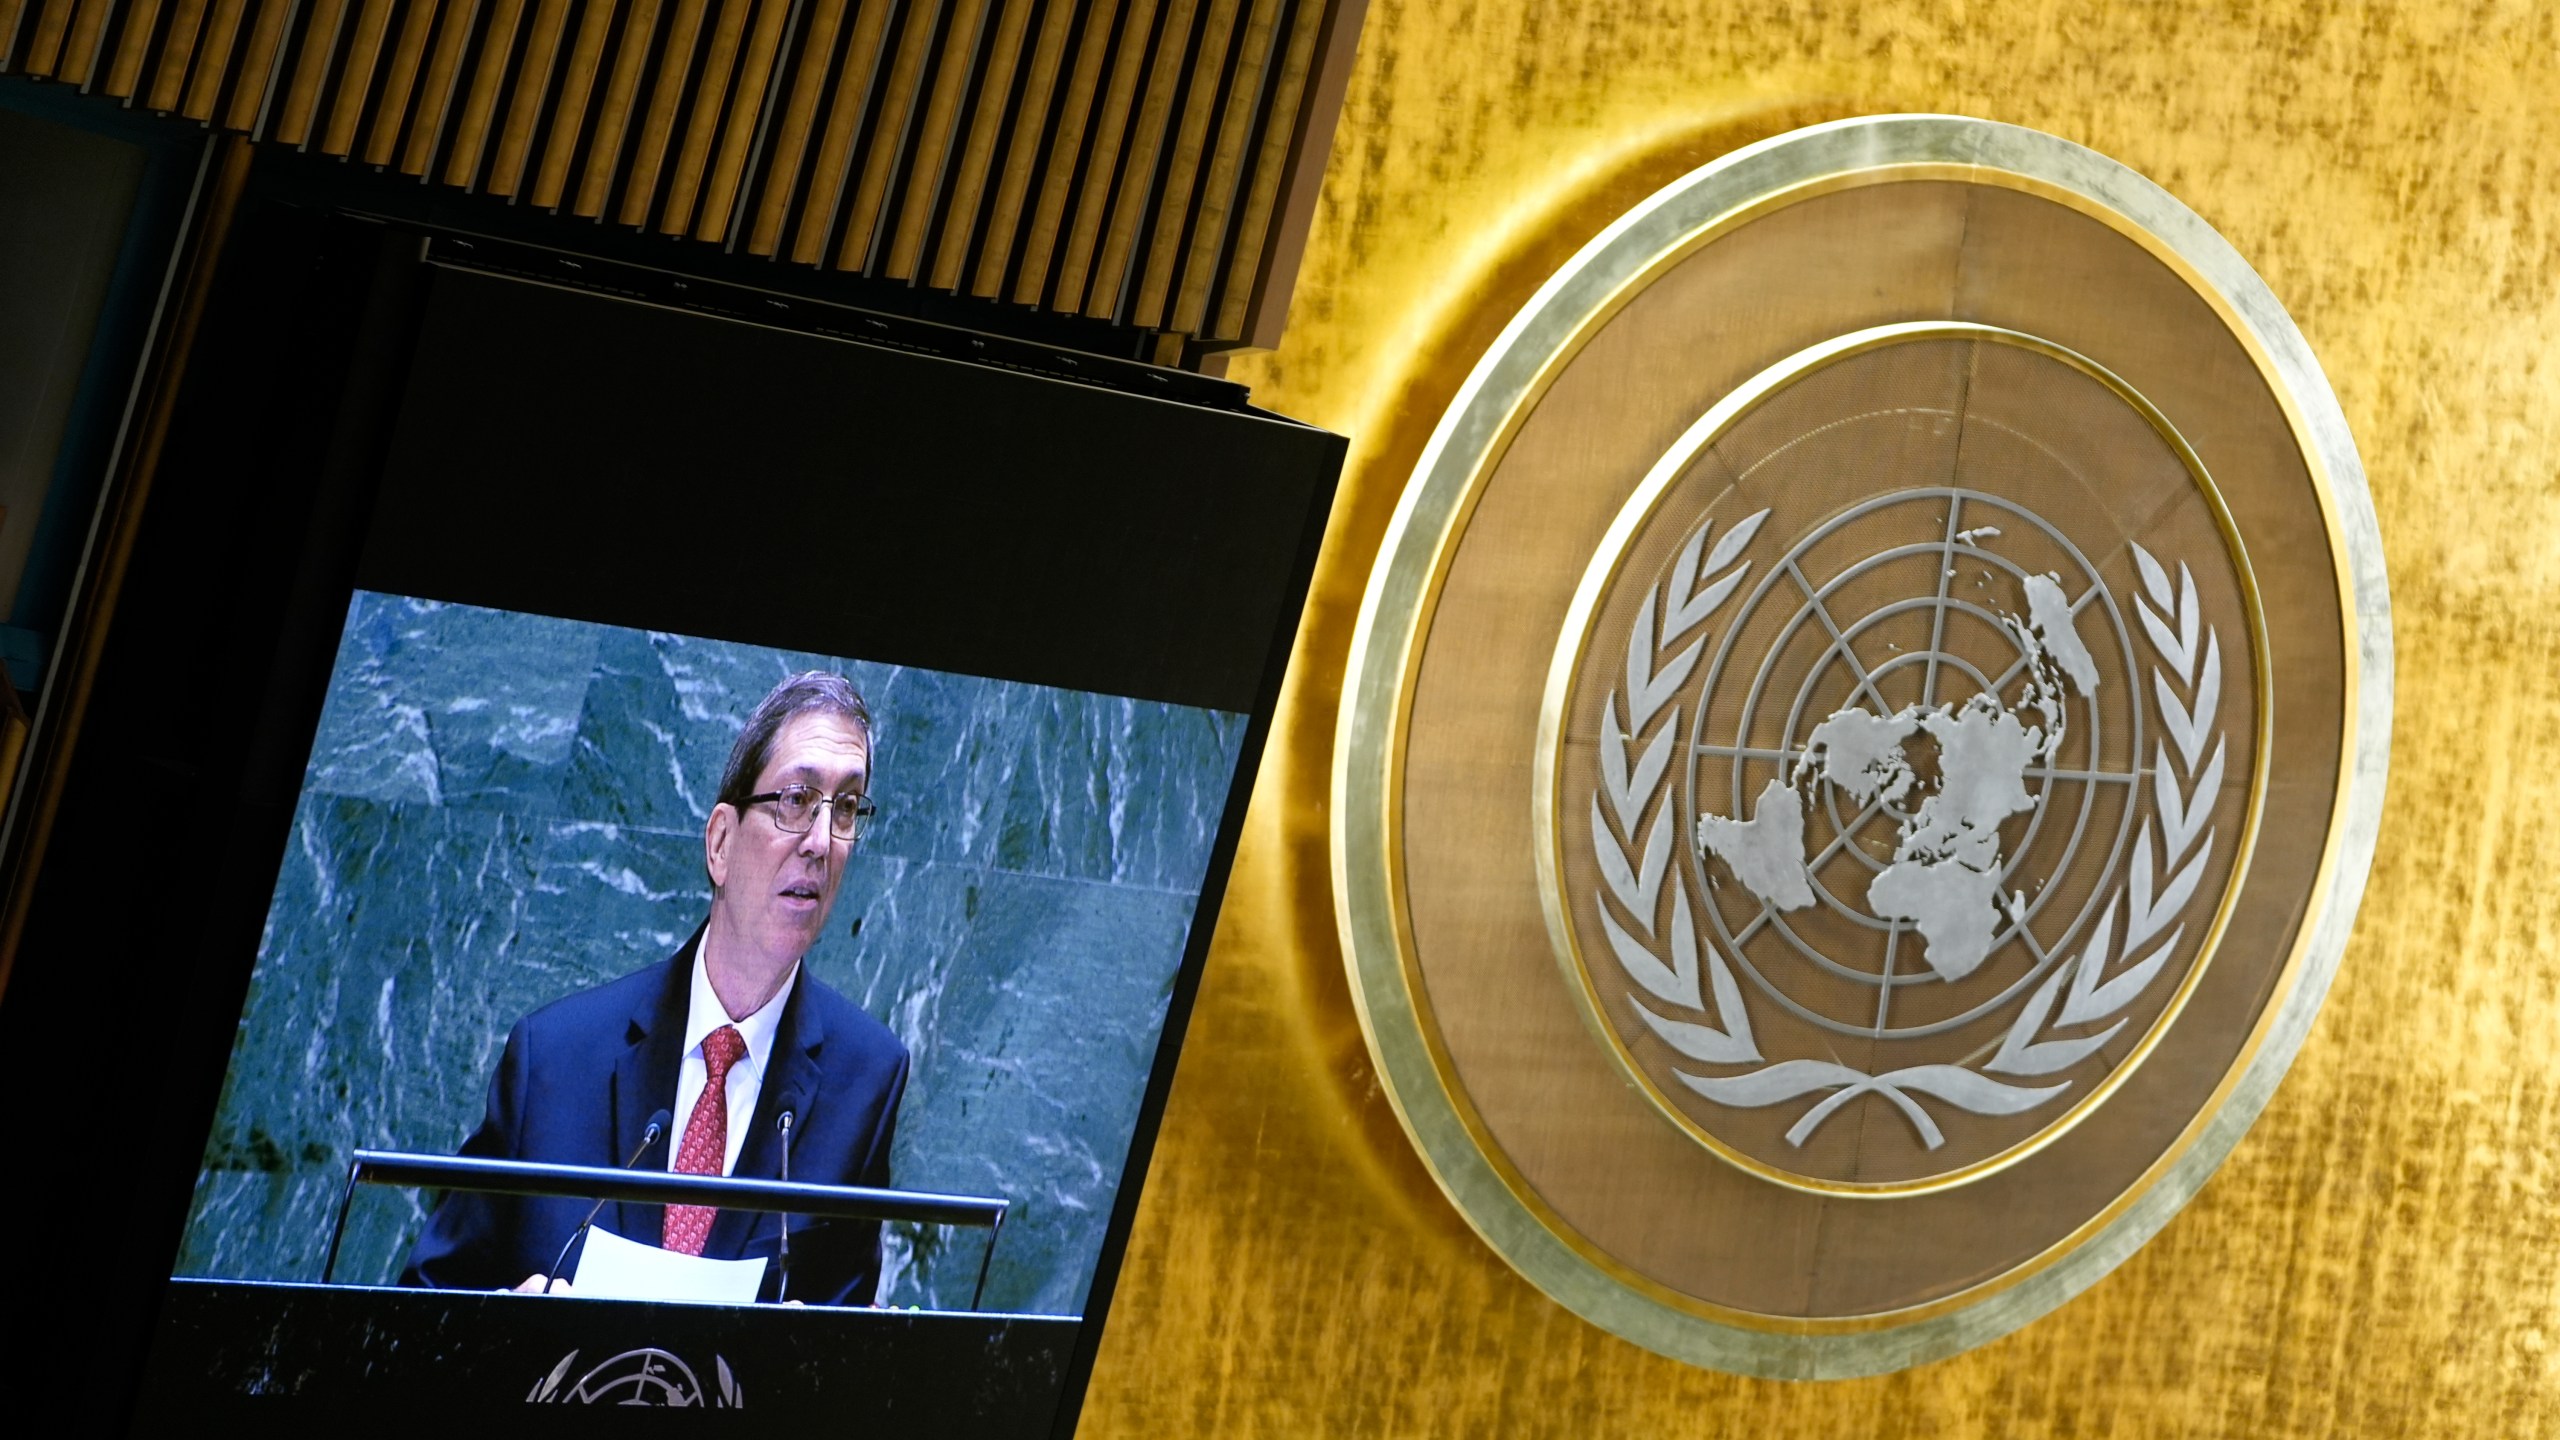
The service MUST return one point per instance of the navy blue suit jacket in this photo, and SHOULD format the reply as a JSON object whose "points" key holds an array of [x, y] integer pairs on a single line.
{"points": [[577, 1084]]}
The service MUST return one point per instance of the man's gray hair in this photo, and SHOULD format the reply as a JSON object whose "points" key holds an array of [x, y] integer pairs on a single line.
{"points": [[810, 691]]}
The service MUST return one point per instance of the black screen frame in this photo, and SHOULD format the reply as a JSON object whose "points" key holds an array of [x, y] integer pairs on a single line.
{"points": [[275, 498]]}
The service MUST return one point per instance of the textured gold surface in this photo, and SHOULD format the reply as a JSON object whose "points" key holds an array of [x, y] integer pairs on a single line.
{"points": [[2381, 1255]]}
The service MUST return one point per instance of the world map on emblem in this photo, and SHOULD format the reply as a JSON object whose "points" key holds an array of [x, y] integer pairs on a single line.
{"points": [[1911, 811], [1945, 873]]}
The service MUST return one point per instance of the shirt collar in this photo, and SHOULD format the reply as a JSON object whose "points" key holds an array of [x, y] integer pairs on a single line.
{"points": [[704, 1013]]}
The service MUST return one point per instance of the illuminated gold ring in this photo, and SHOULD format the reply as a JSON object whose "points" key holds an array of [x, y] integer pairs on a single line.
{"points": [[1402, 593]]}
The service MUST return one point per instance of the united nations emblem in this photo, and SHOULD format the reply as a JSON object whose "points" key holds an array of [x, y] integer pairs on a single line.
{"points": [[1897, 626], [1928, 801]]}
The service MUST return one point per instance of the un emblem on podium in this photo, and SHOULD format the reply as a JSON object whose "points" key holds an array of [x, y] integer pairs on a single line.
{"points": [[1862, 747]]}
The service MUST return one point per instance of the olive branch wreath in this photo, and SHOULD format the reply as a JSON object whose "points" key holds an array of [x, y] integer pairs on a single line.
{"points": [[1667, 961]]}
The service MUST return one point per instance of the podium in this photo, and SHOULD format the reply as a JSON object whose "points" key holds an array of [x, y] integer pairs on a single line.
{"points": [[658, 1187], [297, 1356], [264, 1352]]}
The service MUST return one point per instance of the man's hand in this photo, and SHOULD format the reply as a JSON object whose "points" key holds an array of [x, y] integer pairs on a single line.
{"points": [[542, 1285]]}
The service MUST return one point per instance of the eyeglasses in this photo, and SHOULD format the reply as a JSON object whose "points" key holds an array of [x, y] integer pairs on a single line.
{"points": [[795, 809]]}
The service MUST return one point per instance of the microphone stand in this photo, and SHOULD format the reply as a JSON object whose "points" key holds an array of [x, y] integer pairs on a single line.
{"points": [[782, 1257], [657, 1127]]}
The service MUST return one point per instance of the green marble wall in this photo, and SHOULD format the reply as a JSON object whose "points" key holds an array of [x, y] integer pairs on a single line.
{"points": [[502, 809]]}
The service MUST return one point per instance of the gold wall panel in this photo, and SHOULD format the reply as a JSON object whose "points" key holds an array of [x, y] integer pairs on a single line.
{"points": [[2381, 1254]]}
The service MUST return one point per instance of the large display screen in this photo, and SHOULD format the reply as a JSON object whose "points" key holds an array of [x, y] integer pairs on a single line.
{"points": [[504, 812], [461, 582]]}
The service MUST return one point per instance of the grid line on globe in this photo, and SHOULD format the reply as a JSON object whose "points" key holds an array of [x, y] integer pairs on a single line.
{"points": [[1746, 762]]}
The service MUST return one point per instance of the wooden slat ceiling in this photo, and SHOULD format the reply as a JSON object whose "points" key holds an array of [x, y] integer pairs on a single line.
{"points": [[1149, 163]]}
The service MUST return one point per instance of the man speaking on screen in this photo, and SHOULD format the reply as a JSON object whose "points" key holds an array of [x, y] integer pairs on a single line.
{"points": [[728, 1038]]}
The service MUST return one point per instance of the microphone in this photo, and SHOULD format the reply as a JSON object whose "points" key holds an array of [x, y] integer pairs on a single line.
{"points": [[657, 1127], [782, 1257]]}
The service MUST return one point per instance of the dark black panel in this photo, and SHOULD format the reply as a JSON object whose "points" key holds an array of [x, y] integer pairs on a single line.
{"points": [[231, 1355], [576, 455], [216, 657]]}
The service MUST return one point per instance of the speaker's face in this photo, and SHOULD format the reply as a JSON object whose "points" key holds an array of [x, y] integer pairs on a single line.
{"points": [[773, 889]]}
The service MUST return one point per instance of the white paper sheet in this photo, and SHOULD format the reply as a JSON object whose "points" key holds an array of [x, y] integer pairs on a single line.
{"points": [[612, 1268]]}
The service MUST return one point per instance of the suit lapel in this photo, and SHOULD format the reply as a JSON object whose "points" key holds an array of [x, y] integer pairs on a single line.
{"points": [[644, 1081], [790, 1083]]}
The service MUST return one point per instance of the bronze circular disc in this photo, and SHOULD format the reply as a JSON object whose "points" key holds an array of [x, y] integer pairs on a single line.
{"points": [[1862, 748]]}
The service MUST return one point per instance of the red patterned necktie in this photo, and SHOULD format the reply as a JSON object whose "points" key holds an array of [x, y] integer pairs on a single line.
{"points": [[706, 1138]]}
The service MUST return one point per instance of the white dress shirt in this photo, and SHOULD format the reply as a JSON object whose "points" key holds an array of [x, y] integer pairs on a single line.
{"points": [[703, 1014]]}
